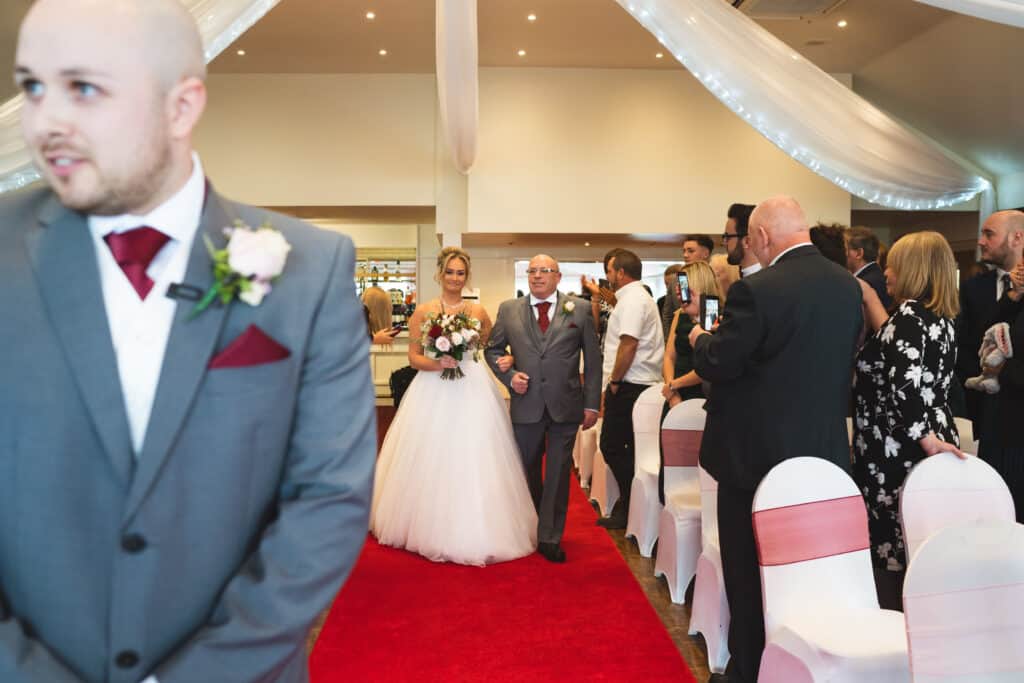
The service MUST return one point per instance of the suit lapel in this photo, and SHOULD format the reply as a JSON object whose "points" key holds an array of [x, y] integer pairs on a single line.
{"points": [[64, 261], [189, 349], [530, 324]]}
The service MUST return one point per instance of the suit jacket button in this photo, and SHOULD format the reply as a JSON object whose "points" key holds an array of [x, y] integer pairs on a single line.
{"points": [[133, 543], [126, 659]]}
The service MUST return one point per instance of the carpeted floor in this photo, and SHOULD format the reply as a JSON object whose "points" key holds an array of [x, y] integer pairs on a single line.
{"points": [[402, 618]]}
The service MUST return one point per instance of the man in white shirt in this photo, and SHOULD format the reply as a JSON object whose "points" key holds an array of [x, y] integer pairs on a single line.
{"points": [[182, 493], [634, 347]]}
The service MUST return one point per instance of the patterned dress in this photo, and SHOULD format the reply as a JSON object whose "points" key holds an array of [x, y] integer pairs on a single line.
{"points": [[901, 392]]}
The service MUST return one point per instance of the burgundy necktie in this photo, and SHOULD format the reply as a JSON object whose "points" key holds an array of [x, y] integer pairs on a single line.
{"points": [[542, 315], [134, 250]]}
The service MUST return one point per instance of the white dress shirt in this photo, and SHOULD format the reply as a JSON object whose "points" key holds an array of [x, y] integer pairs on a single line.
{"points": [[999, 282], [750, 270], [139, 328], [635, 314], [861, 269]]}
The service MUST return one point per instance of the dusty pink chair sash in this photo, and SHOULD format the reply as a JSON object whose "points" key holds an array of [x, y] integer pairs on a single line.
{"points": [[975, 631], [681, 447], [797, 533]]}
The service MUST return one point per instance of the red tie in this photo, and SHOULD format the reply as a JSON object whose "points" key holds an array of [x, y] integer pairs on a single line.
{"points": [[134, 250], [542, 315]]}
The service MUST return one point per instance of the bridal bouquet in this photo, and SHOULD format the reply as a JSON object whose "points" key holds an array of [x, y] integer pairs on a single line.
{"points": [[446, 334]]}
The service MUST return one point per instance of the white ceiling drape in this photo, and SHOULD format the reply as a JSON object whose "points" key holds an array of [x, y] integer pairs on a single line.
{"points": [[1000, 11], [458, 78], [220, 23], [805, 112]]}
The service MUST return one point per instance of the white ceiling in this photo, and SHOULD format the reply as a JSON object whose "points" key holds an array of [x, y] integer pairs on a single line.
{"points": [[950, 76]]}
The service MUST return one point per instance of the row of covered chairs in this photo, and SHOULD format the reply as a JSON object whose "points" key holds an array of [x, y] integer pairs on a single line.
{"points": [[821, 612]]}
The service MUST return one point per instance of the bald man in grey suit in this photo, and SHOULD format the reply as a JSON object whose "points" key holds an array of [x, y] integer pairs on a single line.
{"points": [[546, 331], [180, 497]]}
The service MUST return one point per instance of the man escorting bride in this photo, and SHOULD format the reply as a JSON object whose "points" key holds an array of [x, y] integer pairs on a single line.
{"points": [[546, 331], [449, 482]]}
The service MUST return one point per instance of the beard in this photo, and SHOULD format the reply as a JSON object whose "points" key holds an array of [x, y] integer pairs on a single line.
{"points": [[735, 255], [997, 257]]}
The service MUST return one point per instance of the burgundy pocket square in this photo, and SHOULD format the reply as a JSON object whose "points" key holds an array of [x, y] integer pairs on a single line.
{"points": [[573, 326], [252, 347]]}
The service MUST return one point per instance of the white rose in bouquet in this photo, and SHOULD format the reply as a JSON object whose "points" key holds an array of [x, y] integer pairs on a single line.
{"points": [[443, 345], [457, 339]]}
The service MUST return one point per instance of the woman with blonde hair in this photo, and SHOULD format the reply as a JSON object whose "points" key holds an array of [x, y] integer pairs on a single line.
{"points": [[681, 380], [901, 391], [450, 483], [377, 305], [725, 273]]}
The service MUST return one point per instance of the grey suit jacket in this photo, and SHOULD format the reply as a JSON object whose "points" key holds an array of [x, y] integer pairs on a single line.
{"points": [[207, 557], [552, 359]]}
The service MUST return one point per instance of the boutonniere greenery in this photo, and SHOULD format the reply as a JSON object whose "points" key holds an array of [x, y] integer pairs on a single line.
{"points": [[244, 269], [568, 307]]}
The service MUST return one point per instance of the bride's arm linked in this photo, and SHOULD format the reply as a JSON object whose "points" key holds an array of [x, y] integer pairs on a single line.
{"points": [[416, 357]]}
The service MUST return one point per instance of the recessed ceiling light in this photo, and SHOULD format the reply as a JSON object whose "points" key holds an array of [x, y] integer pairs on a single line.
{"points": [[241, 53], [521, 53], [382, 53], [586, 244], [658, 55], [531, 17], [842, 23], [371, 16]]}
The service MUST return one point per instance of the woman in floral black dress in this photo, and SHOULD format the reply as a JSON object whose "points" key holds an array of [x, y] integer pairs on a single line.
{"points": [[901, 391]]}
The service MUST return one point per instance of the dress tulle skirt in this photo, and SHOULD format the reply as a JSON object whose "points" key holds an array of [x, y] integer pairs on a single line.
{"points": [[450, 483]]}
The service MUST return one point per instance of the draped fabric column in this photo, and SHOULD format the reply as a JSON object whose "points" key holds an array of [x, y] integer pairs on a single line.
{"points": [[458, 79], [220, 23], [805, 112]]}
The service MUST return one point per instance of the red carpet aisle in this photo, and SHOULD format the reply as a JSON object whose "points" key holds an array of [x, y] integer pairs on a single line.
{"points": [[404, 618]]}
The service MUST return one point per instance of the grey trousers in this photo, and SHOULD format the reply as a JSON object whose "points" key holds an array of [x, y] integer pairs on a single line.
{"points": [[550, 488]]}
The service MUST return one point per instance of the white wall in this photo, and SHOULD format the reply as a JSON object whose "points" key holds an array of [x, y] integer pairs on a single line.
{"points": [[1010, 191], [321, 140], [622, 150]]}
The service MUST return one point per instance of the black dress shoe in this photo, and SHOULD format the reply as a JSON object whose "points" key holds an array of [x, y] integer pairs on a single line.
{"points": [[613, 522], [551, 552], [718, 678]]}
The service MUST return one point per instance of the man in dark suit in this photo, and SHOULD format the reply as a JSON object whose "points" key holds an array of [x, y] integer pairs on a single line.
{"points": [[180, 496], [862, 249], [780, 369], [1000, 243]]}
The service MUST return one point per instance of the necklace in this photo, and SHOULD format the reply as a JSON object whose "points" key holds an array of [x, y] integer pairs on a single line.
{"points": [[453, 307]]}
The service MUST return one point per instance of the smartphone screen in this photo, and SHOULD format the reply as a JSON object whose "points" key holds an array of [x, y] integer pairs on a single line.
{"points": [[708, 311], [603, 284], [683, 287]]}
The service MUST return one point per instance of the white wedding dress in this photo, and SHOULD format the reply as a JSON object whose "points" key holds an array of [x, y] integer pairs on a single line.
{"points": [[450, 483]]}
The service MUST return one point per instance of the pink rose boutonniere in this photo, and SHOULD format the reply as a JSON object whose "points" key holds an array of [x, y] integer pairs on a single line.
{"points": [[245, 268]]}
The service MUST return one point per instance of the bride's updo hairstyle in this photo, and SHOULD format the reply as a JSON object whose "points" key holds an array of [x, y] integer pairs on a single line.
{"points": [[446, 256]]}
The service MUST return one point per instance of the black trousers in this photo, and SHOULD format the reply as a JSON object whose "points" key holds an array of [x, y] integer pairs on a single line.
{"points": [[617, 445], [1008, 461], [742, 583]]}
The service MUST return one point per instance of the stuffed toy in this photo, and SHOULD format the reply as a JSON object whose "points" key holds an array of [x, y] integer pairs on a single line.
{"points": [[995, 349]]}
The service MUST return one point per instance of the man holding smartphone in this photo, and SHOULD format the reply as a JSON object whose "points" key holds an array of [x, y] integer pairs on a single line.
{"points": [[633, 350], [780, 366]]}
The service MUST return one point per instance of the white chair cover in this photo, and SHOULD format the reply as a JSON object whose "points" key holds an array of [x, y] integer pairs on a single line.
{"points": [[963, 599], [943, 490], [583, 452], [644, 506], [604, 490], [822, 620], [679, 523], [710, 615]]}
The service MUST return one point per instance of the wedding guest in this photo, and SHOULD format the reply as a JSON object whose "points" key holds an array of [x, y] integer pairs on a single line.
{"points": [[736, 240], [863, 251], [901, 391], [633, 350], [779, 366], [1000, 244], [697, 248], [378, 310], [681, 381], [186, 488], [725, 273], [602, 299], [830, 240]]}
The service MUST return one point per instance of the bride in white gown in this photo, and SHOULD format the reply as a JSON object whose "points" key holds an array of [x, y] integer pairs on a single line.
{"points": [[450, 483]]}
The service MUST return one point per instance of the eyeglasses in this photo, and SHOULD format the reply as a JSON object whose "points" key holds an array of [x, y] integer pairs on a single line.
{"points": [[726, 236], [545, 271]]}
